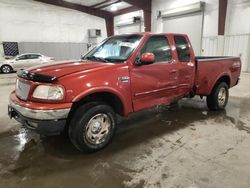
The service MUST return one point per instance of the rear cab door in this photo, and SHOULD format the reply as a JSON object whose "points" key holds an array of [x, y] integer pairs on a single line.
{"points": [[156, 83], [186, 64]]}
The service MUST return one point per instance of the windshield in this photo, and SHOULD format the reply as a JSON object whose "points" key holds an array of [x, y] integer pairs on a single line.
{"points": [[114, 49]]}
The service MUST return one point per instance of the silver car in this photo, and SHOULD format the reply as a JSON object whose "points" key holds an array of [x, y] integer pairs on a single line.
{"points": [[23, 61]]}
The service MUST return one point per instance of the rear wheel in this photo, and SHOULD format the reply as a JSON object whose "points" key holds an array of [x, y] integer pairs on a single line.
{"points": [[92, 127], [218, 99], [6, 69]]}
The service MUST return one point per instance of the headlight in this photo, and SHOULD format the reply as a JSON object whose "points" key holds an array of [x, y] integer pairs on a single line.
{"points": [[48, 92]]}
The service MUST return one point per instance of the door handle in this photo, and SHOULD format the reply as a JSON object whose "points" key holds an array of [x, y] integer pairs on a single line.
{"points": [[173, 71]]}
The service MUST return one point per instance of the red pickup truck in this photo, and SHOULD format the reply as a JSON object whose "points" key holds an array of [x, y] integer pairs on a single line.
{"points": [[121, 75]]}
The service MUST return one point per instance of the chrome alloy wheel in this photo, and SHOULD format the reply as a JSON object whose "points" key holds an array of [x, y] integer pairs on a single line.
{"points": [[6, 69], [98, 128], [222, 95]]}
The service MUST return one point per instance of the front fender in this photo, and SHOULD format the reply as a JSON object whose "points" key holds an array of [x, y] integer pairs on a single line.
{"points": [[126, 104], [96, 90]]}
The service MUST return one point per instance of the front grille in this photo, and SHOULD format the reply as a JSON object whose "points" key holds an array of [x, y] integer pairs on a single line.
{"points": [[22, 89]]}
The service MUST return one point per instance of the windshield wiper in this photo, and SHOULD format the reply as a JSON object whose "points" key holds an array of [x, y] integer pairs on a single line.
{"points": [[97, 59]]}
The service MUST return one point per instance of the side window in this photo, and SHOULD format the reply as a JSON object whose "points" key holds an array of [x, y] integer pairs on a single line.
{"points": [[182, 47], [22, 57], [159, 46], [34, 56], [28, 56]]}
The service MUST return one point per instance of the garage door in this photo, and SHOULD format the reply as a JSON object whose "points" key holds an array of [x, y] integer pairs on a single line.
{"points": [[190, 24], [132, 28]]}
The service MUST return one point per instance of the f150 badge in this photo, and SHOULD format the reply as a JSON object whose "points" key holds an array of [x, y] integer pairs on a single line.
{"points": [[123, 78]]}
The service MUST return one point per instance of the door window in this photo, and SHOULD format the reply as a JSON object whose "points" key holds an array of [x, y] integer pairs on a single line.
{"points": [[34, 56], [182, 48], [22, 57], [159, 46]]}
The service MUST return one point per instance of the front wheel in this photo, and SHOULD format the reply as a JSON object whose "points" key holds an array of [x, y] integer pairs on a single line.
{"points": [[218, 99], [6, 69], [92, 127]]}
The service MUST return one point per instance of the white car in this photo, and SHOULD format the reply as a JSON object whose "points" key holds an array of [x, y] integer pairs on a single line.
{"points": [[23, 61]]}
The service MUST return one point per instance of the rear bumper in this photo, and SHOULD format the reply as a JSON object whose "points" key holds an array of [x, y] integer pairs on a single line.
{"points": [[43, 121]]}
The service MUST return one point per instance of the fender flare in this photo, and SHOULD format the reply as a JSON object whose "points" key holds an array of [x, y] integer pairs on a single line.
{"points": [[102, 90], [224, 74]]}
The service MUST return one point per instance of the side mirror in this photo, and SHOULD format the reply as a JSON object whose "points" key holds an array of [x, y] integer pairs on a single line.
{"points": [[146, 59]]}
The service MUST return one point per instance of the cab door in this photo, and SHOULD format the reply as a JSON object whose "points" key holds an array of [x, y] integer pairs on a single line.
{"points": [[156, 83], [186, 64]]}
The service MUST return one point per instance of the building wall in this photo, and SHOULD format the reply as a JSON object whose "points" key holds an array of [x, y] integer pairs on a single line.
{"points": [[58, 50], [127, 16], [30, 21], [238, 17], [236, 41], [210, 17]]}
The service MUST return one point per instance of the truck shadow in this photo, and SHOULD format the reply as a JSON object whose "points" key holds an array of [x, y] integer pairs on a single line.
{"points": [[54, 154], [139, 127]]}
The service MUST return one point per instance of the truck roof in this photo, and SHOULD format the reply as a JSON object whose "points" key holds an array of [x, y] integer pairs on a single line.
{"points": [[154, 33]]}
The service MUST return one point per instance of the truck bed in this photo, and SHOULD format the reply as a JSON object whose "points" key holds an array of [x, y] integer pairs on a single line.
{"points": [[213, 57], [211, 68]]}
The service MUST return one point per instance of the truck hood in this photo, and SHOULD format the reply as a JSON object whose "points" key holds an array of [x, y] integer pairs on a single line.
{"points": [[64, 68]]}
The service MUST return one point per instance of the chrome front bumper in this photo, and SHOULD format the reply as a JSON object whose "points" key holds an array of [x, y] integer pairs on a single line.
{"points": [[40, 114]]}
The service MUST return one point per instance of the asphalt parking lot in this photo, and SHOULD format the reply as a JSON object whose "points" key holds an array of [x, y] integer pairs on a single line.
{"points": [[185, 146]]}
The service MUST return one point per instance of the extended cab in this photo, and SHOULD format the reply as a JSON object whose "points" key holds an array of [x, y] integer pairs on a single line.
{"points": [[123, 74]]}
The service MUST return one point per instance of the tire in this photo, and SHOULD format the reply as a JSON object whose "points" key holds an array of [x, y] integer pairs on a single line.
{"points": [[218, 99], [6, 69], [92, 127]]}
